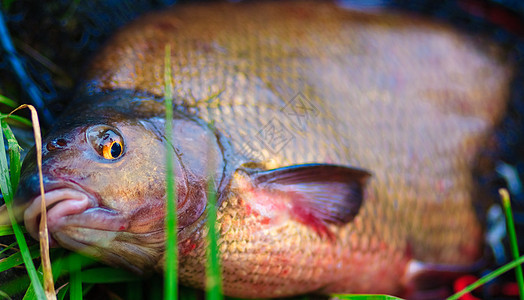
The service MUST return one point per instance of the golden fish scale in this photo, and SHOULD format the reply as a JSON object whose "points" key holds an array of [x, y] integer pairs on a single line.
{"points": [[410, 100], [268, 260]]}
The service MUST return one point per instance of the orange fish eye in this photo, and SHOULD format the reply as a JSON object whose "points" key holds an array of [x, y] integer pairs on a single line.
{"points": [[106, 141], [112, 151]]}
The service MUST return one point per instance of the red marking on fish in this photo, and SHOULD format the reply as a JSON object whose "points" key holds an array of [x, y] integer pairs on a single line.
{"points": [[265, 221], [186, 247], [249, 211], [267, 204], [307, 217]]}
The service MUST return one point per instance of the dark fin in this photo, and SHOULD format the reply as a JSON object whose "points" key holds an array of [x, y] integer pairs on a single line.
{"points": [[433, 281], [319, 193]]}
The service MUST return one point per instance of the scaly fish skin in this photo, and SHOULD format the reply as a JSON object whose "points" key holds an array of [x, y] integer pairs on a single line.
{"points": [[341, 144]]}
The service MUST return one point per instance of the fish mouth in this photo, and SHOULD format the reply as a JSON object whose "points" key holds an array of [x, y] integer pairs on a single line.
{"points": [[76, 221], [60, 201], [68, 205]]}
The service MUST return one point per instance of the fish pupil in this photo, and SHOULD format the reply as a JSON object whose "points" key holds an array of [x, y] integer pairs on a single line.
{"points": [[116, 150]]}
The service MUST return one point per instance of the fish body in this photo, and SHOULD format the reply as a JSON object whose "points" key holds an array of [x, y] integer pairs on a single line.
{"points": [[341, 145]]}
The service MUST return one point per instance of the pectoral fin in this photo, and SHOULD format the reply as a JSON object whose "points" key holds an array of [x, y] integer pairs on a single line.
{"points": [[315, 194]]}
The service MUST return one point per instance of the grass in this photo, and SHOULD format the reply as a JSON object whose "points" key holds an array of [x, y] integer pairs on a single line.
{"points": [[364, 297], [7, 178], [213, 278], [171, 267], [506, 203], [78, 275]]}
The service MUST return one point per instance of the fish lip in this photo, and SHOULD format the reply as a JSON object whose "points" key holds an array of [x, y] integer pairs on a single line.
{"points": [[104, 220], [84, 200]]}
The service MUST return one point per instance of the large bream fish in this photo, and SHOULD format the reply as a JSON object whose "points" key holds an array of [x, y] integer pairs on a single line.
{"points": [[341, 145]]}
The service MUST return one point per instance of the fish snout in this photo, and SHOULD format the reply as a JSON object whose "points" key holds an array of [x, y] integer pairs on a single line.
{"points": [[61, 200], [29, 184], [28, 189], [60, 203]]}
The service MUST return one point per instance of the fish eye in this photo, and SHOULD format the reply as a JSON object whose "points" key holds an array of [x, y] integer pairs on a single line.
{"points": [[107, 141]]}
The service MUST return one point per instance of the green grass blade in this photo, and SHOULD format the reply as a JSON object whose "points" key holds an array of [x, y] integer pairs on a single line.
{"points": [[60, 259], [58, 263], [19, 119], [75, 278], [7, 191], [8, 247], [17, 258], [487, 278], [4, 295], [62, 292], [16, 285], [6, 230], [57, 268], [30, 292], [506, 203], [14, 155], [108, 275], [78, 259], [362, 297], [8, 102], [213, 276], [171, 267], [5, 179]]}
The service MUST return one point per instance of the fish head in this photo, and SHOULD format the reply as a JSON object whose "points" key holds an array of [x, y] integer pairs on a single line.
{"points": [[104, 175]]}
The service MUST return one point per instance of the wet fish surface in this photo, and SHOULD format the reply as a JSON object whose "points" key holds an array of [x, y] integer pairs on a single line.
{"points": [[342, 146]]}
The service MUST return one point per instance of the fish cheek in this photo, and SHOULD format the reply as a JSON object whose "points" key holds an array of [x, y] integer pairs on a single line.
{"points": [[134, 186], [137, 179]]}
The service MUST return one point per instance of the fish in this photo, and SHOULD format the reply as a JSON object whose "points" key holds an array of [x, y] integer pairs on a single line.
{"points": [[342, 146]]}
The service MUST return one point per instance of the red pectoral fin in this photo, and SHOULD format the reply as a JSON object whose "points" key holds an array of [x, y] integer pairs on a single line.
{"points": [[317, 194]]}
